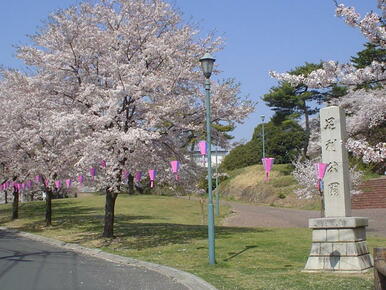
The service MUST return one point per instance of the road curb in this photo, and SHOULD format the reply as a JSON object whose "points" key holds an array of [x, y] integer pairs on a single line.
{"points": [[188, 280]]}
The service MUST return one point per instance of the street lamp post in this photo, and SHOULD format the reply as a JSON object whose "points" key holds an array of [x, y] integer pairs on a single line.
{"points": [[217, 189], [262, 120], [207, 62]]}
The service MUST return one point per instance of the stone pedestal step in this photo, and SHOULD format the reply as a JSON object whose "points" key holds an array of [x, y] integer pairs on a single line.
{"points": [[339, 244]]}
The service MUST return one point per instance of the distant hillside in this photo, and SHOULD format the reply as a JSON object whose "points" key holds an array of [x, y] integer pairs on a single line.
{"points": [[247, 184]]}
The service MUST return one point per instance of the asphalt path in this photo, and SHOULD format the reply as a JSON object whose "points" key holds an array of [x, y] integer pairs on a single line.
{"points": [[28, 264], [249, 215]]}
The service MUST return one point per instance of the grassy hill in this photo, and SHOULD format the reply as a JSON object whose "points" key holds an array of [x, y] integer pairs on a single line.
{"points": [[247, 184]]}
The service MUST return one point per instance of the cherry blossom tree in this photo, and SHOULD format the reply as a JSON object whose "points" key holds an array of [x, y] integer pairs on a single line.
{"points": [[33, 142], [119, 81], [366, 108], [308, 187]]}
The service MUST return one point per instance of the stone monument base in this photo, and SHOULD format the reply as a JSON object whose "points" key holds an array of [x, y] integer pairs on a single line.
{"points": [[339, 244]]}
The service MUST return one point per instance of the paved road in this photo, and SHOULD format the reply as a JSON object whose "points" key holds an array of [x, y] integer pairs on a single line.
{"points": [[27, 264], [246, 215]]}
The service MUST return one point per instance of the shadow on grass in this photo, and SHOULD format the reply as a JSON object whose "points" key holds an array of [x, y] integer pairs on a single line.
{"points": [[147, 235], [239, 253], [86, 225]]}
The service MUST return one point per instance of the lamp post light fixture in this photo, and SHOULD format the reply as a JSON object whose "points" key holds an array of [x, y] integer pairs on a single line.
{"points": [[263, 136], [207, 62]]}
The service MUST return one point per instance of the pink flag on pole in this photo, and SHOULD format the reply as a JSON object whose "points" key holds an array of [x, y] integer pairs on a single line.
{"points": [[203, 150], [267, 163], [138, 176], [68, 182], [320, 169], [92, 172], [103, 163], [152, 175], [175, 167], [80, 179], [58, 184]]}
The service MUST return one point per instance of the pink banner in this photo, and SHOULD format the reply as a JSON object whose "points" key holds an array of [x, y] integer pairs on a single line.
{"points": [[58, 184], [152, 175], [38, 179], [175, 167], [203, 148], [29, 184], [138, 176], [80, 179], [320, 169], [68, 182], [103, 163], [267, 163]]}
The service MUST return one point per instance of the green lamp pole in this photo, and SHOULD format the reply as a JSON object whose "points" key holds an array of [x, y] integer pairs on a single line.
{"points": [[217, 189], [207, 62], [262, 120]]}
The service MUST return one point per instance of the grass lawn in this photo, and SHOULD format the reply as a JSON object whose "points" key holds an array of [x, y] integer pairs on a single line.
{"points": [[169, 231]]}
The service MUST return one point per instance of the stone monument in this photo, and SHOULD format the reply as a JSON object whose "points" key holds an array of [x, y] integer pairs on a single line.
{"points": [[338, 240]]}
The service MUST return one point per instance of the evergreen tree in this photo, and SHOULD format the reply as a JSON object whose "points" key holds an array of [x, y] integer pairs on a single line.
{"points": [[284, 140], [300, 101], [365, 57]]}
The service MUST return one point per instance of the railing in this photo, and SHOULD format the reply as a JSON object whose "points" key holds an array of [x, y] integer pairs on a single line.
{"points": [[380, 268]]}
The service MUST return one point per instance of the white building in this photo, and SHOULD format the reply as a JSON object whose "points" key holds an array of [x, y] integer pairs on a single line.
{"points": [[202, 161]]}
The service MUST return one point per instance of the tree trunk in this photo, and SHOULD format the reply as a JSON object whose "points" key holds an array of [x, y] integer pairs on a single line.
{"points": [[130, 184], [15, 205], [108, 230], [5, 196], [48, 207]]}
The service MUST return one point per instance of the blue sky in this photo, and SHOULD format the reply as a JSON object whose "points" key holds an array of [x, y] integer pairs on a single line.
{"points": [[259, 35]]}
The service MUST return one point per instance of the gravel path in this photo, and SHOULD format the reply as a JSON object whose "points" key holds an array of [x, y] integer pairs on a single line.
{"points": [[246, 215]]}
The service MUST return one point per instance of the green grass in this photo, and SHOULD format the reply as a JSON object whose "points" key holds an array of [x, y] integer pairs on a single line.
{"points": [[169, 231]]}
